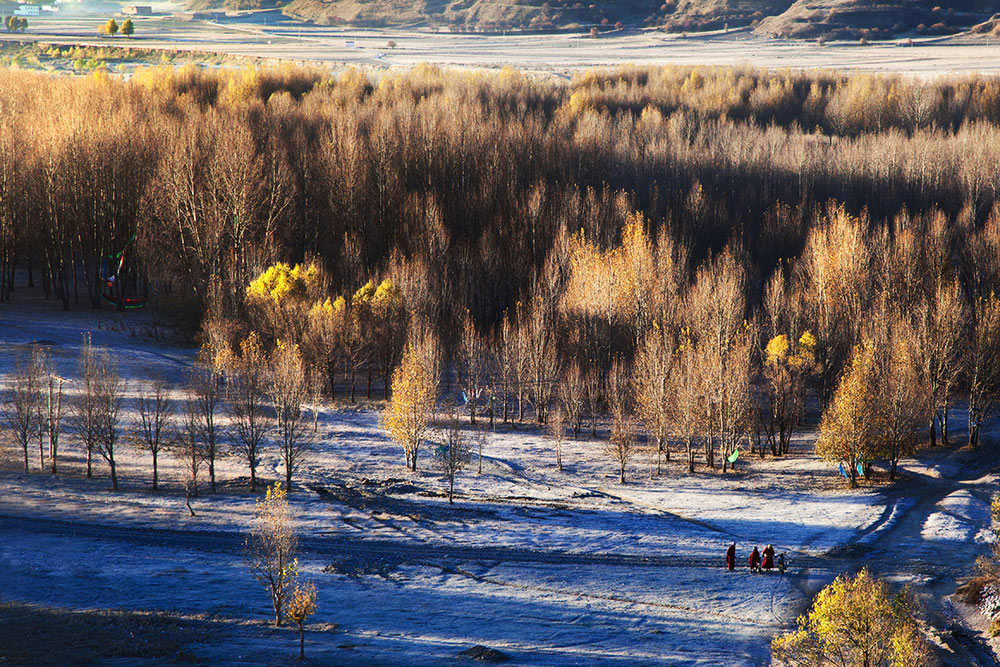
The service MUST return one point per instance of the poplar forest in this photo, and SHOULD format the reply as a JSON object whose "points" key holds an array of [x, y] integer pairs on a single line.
{"points": [[504, 341]]}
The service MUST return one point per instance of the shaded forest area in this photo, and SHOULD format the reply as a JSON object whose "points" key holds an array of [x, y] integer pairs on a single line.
{"points": [[633, 241]]}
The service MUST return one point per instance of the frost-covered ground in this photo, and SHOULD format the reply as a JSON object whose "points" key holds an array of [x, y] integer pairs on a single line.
{"points": [[549, 567]]}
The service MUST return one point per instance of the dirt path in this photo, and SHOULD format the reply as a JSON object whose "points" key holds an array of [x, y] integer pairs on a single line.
{"points": [[899, 549]]}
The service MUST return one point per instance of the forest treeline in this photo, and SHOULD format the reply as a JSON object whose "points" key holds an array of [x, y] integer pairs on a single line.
{"points": [[631, 241]]}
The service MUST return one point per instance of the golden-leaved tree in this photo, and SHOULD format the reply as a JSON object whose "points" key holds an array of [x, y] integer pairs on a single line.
{"points": [[382, 320], [855, 622], [408, 414], [270, 548], [326, 335], [787, 367], [849, 429], [280, 298]]}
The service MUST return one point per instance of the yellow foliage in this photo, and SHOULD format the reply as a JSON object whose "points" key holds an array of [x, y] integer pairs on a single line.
{"points": [[848, 429], [855, 621], [364, 295], [609, 282], [408, 413], [777, 349], [301, 603], [579, 101], [807, 343], [281, 281], [387, 295]]}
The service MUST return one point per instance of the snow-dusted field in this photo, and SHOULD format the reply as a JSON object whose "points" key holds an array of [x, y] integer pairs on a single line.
{"points": [[270, 35], [550, 568]]}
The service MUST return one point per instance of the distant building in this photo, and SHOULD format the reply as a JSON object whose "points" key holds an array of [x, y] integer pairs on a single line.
{"points": [[28, 10], [139, 10]]}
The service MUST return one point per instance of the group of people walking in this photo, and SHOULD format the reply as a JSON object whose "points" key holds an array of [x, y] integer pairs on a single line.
{"points": [[758, 561]]}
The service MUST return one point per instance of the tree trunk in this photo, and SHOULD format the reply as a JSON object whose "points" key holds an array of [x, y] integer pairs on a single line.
{"points": [[253, 478], [944, 422], [26, 461], [90, 454], [690, 453], [451, 489], [302, 643], [155, 473], [114, 476]]}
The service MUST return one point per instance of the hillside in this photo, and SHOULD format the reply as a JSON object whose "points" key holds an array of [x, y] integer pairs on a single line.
{"points": [[479, 15], [872, 19], [801, 19]]}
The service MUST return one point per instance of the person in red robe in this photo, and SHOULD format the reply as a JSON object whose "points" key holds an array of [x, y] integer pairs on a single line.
{"points": [[754, 560], [731, 557], [768, 561]]}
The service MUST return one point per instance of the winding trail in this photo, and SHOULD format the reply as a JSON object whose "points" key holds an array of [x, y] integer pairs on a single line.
{"points": [[898, 547]]}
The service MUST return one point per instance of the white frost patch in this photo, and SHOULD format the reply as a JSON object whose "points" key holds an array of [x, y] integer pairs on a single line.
{"points": [[962, 517], [943, 526]]}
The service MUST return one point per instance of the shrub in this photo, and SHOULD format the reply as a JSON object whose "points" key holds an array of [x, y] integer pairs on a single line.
{"points": [[855, 621]]}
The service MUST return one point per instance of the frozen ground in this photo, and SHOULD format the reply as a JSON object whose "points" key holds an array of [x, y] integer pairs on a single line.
{"points": [[551, 568]]}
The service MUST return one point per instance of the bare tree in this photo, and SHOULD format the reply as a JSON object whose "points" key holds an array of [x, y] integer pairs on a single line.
{"points": [[471, 365], [249, 405], [22, 405], [572, 395], [903, 406], [982, 364], [686, 388], [203, 387], [288, 389], [940, 327], [653, 367], [557, 430], [188, 445], [482, 437], [110, 395], [515, 350], [622, 443], [543, 361], [54, 413], [86, 410], [155, 412], [40, 369], [452, 455], [592, 387], [270, 548]]}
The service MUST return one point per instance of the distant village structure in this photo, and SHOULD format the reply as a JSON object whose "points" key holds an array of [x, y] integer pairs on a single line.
{"points": [[139, 10]]}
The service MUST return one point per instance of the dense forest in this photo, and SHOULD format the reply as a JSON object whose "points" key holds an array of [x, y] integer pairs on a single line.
{"points": [[702, 248]]}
